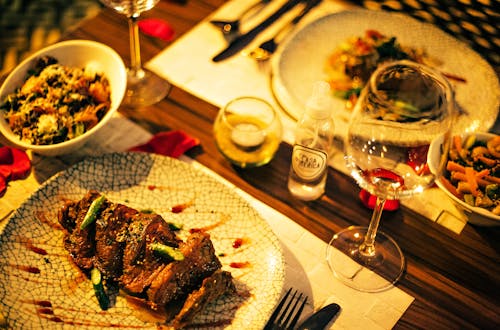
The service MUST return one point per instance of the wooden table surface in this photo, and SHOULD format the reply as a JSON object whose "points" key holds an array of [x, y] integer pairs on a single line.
{"points": [[455, 279]]}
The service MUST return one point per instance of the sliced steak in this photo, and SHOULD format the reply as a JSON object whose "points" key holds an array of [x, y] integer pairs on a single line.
{"points": [[118, 244], [110, 239], [80, 243], [177, 279], [140, 264], [218, 284]]}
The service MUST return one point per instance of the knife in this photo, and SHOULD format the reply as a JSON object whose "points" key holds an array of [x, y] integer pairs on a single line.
{"points": [[240, 42], [320, 319]]}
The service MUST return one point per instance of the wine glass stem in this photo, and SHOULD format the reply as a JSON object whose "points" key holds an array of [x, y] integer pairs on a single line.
{"points": [[135, 49], [367, 248]]}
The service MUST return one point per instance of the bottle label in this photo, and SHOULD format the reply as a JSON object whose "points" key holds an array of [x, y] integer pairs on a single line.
{"points": [[309, 164]]}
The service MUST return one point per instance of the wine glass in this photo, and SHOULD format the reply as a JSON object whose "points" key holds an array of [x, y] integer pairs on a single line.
{"points": [[403, 107], [143, 87]]}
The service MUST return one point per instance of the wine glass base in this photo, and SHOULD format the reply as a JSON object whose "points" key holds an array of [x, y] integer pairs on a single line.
{"points": [[374, 273], [144, 88]]}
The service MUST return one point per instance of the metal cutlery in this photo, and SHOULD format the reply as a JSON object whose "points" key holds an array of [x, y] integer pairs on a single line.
{"points": [[268, 47], [284, 318], [320, 319], [242, 40], [232, 27]]}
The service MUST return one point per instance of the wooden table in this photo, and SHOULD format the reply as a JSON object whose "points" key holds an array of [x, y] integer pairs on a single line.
{"points": [[455, 279]]}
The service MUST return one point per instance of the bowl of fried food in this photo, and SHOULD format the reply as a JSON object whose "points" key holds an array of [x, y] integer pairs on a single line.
{"points": [[471, 175], [59, 97]]}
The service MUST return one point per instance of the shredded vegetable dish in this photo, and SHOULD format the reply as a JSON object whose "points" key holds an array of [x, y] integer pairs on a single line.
{"points": [[473, 172], [56, 103], [351, 64]]}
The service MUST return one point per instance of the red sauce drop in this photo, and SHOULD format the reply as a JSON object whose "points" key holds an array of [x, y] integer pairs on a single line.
{"points": [[56, 319], [151, 187], [36, 249], [47, 311], [29, 269], [204, 229], [179, 208], [239, 264], [43, 303], [237, 243]]}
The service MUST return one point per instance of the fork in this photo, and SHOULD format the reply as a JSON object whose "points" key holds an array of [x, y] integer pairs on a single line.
{"points": [[268, 47], [284, 318]]}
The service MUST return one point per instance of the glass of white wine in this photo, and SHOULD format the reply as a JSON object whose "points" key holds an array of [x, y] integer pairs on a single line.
{"points": [[143, 87], [248, 131], [404, 107]]}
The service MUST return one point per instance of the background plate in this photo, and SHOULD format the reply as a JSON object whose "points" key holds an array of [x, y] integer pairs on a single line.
{"points": [[301, 60], [40, 288]]}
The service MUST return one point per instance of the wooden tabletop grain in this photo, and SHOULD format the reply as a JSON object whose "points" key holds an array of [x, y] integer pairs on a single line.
{"points": [[455, 279]]}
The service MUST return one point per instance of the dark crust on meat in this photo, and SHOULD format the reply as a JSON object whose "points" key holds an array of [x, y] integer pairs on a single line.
{"points": [[80, 243], [218, 284], [110, 236], [178, 279], [140, 264]]}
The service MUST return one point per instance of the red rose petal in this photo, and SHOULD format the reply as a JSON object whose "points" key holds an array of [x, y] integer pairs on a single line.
{"points": [[172, 143], [14, 164], [370, 200], [6, 160], [21, 166], [6, 155], [157, 28]]}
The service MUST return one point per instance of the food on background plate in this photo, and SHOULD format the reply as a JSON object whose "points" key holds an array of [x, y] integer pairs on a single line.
{"points": [[56, 103], [141, 254], [351, 64], [473, 172]]}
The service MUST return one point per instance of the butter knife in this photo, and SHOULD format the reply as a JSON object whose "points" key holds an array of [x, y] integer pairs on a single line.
{"points": [[240, 42], [320, 319]]}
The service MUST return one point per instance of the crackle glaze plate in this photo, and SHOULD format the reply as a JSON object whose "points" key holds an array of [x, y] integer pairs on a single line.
{"points": [[40, 288], [300, 61]]}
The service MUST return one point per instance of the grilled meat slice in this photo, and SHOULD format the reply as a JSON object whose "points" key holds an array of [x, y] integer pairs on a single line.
{"points": [[80, 243], [218, 284], [177, 279], [110, 239], [140, 264]]}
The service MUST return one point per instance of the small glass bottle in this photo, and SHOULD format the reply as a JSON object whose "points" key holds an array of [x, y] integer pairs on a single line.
{"points": [[312, 148]]}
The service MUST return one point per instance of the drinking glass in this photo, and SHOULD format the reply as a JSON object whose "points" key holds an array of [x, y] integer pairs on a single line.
{"points": [[248, 131], [404, 107], [143, 87]]}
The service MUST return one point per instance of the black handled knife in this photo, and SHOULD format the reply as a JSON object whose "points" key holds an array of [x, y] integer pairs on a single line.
{"points": [[240, 42], [320, 319]]}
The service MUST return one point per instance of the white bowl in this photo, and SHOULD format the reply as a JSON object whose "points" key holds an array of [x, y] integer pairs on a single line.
{"points": [[476, 215], [73, 53]]}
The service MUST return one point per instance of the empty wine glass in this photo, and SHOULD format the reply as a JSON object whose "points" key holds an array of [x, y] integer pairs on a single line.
{"points": [[143, 87], [402, 109]]}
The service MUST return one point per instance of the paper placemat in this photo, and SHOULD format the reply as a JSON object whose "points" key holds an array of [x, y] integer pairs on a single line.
{"points": [[187, 63]]}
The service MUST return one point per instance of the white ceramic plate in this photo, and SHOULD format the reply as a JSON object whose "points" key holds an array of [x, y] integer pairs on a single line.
{"points": [[46, 291], [300, 62]]}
